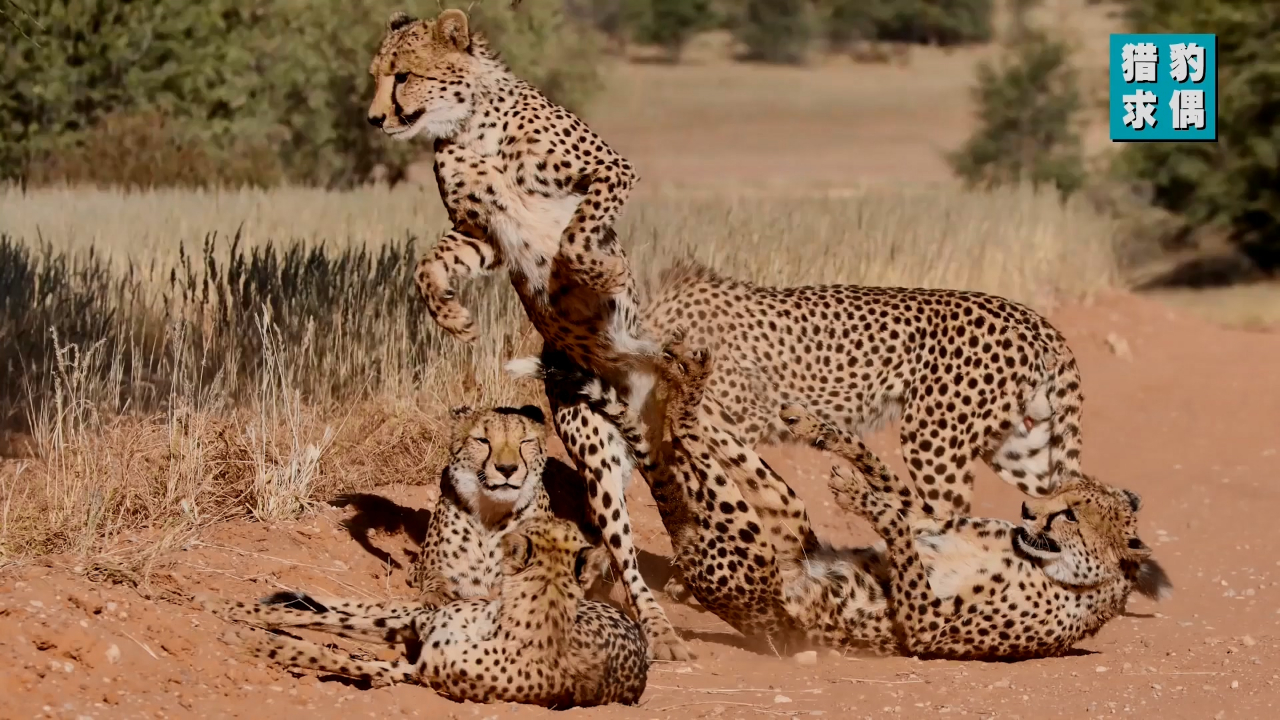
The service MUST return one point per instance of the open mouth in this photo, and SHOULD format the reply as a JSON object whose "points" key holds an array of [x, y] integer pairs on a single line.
{"points": [[1035, 545]]}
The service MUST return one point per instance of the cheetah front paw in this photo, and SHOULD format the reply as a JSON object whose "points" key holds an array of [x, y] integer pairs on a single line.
{"points": [[682, 362], [454, 319], [665, 644], [852, 492], [804, 425]]}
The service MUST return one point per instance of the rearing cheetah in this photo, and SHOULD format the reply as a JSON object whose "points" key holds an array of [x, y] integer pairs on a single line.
{"points": [[538, 643], [530, 188], [972, 376]]}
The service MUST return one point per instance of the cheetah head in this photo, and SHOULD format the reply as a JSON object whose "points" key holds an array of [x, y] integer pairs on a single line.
{"points": [[549, 549], [498, 456], [1087, 534], [424, 73]]}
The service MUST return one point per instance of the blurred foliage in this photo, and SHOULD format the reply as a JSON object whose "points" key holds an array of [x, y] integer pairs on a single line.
{"points": [[1028, 108], [924, 22], [1235, 182], [670, 23], [776, 31], [229, 92]]}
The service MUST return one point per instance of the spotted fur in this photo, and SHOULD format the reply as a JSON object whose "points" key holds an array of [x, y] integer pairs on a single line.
{"points": [[972, 377], [498, 475], [981, 589], [531, 189], [539, 642]]}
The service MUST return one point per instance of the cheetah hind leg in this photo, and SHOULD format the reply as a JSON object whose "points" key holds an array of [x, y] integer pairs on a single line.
{"points": [[871, 490], [292, 652]]}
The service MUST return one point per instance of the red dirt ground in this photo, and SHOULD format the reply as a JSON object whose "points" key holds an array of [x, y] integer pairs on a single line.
{"points": [[1189, 420]]}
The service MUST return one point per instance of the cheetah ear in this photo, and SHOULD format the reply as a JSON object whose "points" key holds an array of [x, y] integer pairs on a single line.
{"points": [[517, 549], [461, 412], [451, 28], [398, 20], [1135, 500]]}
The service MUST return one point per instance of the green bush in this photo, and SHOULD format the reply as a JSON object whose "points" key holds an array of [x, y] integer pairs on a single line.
{"points": [[1235, 182], [930, 22], [776, 31], [1027, 110], [239, 93], [671, 23]]}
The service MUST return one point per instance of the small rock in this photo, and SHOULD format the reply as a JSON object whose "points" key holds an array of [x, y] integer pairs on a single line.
{"points": [[809, 657], [111, 607], [113, 654], [1235, 684], [1248, 641], [1000, 684], [1119, 346], [1101, 668], [780, 699]]}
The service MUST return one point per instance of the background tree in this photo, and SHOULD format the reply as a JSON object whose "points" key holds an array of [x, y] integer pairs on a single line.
{"points": [[671, 23], [776, 31], [1028, 107], [1234, 183]]}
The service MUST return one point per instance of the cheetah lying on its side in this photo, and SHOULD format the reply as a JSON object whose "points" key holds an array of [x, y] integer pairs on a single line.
{"points": [[538, 643], [985, 589]]}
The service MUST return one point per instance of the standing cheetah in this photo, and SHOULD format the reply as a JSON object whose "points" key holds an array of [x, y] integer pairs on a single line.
{"points": [[538, 643], [971, 376], [530, 188]]}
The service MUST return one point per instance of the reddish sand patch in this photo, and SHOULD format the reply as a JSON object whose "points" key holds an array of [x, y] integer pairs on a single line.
{"points": [[1190, 422]]}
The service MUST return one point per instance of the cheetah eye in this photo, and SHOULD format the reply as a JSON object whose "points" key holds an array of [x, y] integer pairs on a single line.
{"points": [[401, 78], [528, 441], [1069, 514], [482, 441]]}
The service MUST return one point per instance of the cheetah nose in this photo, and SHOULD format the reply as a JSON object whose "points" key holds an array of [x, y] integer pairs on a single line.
{"points": [[1026, 514], [377, 120], [507, 470]]}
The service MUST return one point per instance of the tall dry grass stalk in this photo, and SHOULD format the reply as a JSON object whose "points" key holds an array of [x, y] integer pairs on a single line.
{"points": [[172, 358]]}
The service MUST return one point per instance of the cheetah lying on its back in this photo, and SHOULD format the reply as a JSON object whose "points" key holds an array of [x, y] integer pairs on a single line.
{"points": [[498, 475], [1026, 591], [539, 642], [973, 377], [1070, 578]]}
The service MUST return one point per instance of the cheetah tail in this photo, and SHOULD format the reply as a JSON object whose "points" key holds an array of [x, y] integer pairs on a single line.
{"points": [[1152, 581]]}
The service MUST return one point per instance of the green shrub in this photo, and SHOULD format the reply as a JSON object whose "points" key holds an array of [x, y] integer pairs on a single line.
{"points": [[776, 31], [238, 93], [671, 23], [1027, 109], [1235, 182], [930, 22]]}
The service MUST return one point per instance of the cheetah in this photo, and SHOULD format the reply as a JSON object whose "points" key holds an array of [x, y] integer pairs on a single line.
{"points": [[971, 376], [842, 597], [539, 642], [498, 475], [529, 188], [986, 589]]}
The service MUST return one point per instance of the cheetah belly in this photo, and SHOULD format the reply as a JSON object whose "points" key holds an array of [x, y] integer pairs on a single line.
{"points": [[529, 230], [956, 562]]}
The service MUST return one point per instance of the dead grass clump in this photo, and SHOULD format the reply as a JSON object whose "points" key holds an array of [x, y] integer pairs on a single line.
{"points": [[173, 359]]}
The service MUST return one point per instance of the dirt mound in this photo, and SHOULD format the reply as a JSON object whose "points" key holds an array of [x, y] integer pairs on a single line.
{"points": [[1181, 411]]}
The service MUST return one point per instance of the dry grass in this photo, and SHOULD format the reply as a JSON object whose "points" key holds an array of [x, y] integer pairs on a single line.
{"points": [[175, 358], [1247, 307], [231, 353]]}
